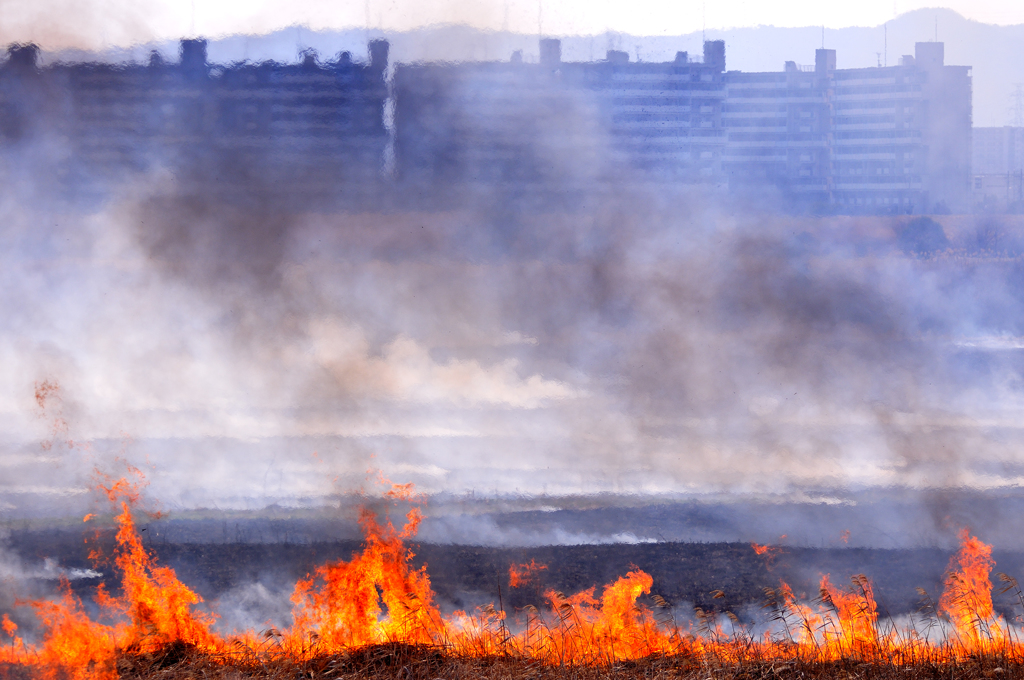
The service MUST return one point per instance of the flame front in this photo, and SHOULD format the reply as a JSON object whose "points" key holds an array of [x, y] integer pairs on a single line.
{"points": [[378, 597], [154, 610], [967, 599]]}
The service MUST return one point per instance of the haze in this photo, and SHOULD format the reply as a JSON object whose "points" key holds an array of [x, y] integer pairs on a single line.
{"points": [[479, 269], [101, 25]]}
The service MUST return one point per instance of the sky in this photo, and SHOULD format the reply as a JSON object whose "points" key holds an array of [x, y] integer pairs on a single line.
{"points": [[102, 24]]}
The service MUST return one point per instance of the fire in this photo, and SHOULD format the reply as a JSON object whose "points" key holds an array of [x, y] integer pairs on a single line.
{"points": [[73, 645], [378, 597], [768, 552], [967, 599], [154, 609], [520, 574], [856, 617]]}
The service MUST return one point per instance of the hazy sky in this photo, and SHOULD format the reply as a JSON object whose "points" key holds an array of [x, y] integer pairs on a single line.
{"points": [[93, 24]]}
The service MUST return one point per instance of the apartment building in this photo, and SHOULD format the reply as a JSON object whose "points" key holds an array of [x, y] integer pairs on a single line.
{"points": [[814, 138], [561, 124], [873, 140], [296, 131], [889, 139]]}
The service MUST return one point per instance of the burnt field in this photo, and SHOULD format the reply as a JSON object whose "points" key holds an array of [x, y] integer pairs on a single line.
{"points": [[464, 577], [375, 615]]}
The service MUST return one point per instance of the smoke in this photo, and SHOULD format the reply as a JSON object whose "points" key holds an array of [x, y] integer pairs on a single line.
{"points": [[547, 328], [254, 606], [635, 344]]}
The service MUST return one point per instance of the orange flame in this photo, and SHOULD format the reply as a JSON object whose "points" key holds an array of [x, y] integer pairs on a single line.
{"points": [[378, 597], [768, 552], [856, 617], [520, 574], [153, 610], [967, 599], [10, 627]]}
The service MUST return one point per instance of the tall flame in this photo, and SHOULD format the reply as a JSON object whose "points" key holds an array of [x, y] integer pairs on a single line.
{"points": [[376, 597], [967, 599], [153, 610]]}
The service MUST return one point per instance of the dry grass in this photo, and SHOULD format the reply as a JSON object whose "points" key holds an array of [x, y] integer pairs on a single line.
{"points": [[410, 662]]}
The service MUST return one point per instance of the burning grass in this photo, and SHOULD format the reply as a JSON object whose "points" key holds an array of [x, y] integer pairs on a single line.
{"points": [[375, 615], [398, 661], [409, 662]]}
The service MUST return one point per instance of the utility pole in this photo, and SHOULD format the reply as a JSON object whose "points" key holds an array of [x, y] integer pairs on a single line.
{"points": [[704, 22], [1018, 105]]}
